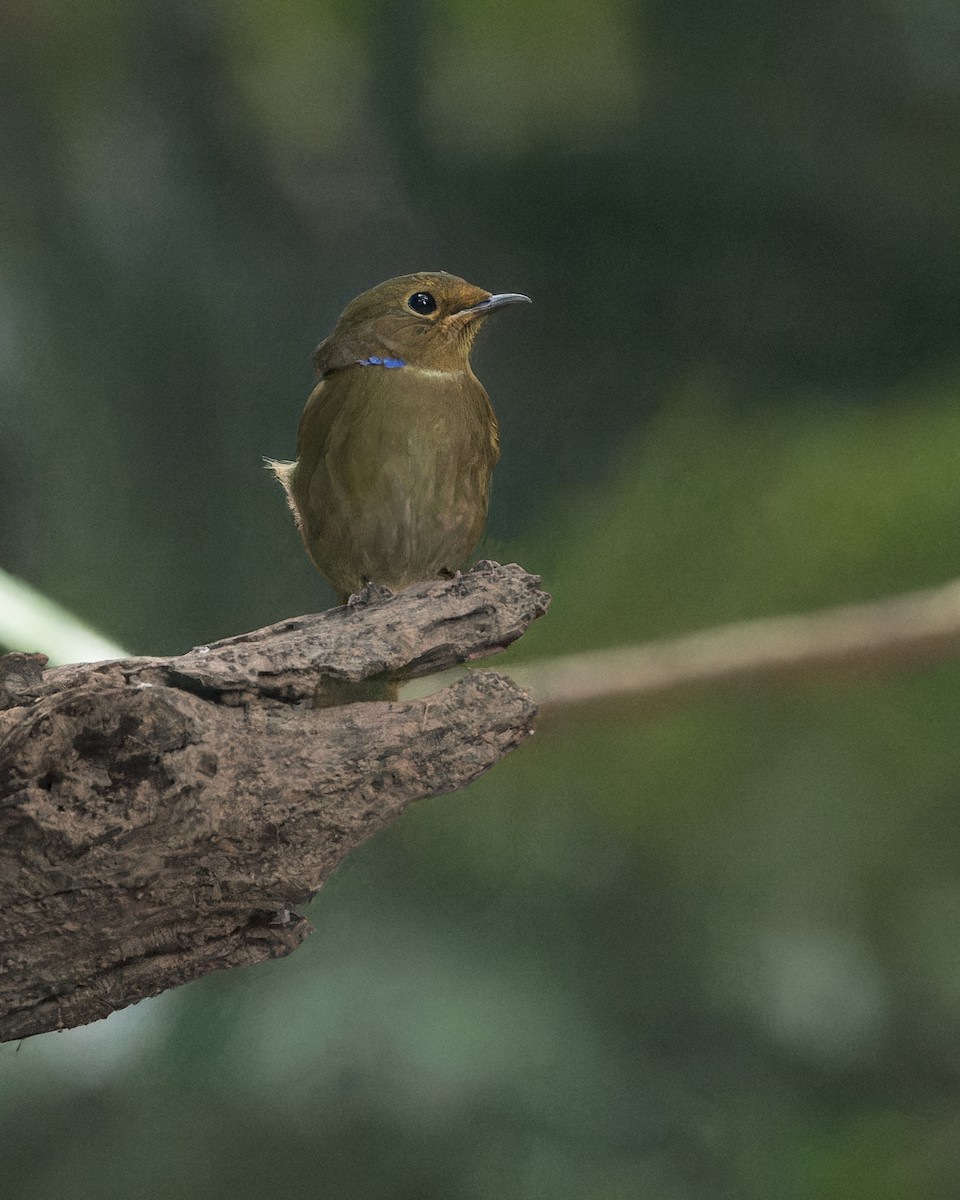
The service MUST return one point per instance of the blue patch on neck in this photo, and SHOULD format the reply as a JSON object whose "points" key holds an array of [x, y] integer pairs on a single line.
{"points": [[375, 361]]}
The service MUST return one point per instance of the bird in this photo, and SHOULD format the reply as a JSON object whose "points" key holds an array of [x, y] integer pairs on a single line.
{"points": [[398, 440]]}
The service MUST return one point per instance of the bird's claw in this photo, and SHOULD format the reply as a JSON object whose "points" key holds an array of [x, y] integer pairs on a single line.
{"points": [[369, 594]]}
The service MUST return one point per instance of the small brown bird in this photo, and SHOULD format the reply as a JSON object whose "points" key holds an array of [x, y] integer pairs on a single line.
{"points": [[398, 440]]}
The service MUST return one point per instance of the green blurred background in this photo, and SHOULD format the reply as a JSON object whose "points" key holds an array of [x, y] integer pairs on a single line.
{"points": [[708, 953]]}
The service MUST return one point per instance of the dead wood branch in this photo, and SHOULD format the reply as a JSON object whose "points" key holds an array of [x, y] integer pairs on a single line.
{"points": [[159, 817]]}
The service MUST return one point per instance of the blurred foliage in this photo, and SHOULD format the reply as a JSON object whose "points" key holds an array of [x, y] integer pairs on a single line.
{"points": [[702, 954]]}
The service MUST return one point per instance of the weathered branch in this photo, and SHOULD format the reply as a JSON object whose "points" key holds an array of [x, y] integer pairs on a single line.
{"points": [[159, 817]]}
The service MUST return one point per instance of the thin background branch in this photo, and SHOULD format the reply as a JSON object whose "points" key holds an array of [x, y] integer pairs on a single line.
{"points": [[909, 630]]}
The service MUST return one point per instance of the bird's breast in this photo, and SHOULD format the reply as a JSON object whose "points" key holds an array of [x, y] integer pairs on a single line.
{"points": [[415, 428]]}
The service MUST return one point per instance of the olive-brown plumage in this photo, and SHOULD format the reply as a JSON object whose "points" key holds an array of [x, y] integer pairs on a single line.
{"points": [[398, 440]]}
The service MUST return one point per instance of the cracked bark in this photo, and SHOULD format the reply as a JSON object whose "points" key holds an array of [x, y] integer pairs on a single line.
{"points": [[159, 817]]}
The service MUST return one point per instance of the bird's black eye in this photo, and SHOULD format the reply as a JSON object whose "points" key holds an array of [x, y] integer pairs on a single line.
{"points": [[422, 303]]}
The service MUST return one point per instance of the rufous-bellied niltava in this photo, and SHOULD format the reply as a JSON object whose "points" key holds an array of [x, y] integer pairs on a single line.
{"points": [[398, 440]]}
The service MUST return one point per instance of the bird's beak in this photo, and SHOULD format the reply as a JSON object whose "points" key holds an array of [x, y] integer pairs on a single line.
{"points": [[496, 301]]}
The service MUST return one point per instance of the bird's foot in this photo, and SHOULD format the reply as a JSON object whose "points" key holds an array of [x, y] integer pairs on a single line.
{"points": [[455, 578], [370, 594]]}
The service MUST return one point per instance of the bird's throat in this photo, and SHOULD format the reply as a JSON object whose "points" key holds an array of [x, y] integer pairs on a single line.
{"points": [[392, 364]]}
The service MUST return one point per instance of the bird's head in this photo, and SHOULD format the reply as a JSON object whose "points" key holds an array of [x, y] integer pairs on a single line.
{"points": [[428, 319]]}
